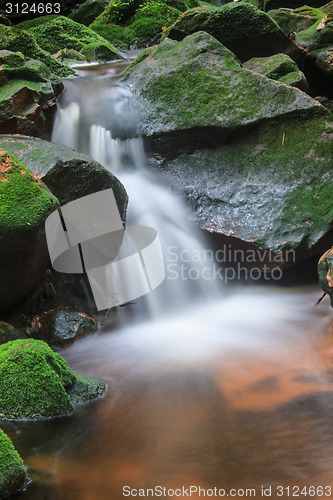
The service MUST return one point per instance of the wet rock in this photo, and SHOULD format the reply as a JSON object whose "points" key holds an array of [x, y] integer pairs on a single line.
{"points": [[195, 93], [8, 333], [280, 68], [241, 27], [99, 52], [318, 36], [25, 204], [87, 12], [293, 21], [28, 95], [68, 175], [59, 33], [37, 383], [13, 474], [325, 273], [61, 327]]}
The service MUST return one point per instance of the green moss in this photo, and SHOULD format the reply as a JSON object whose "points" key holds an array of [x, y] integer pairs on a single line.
{"points": [[16, 66], [98, 51], [13, 475], [63, 33], [316, 39], [87, 12], [17, 40], [32, 23], [25, 200], [37, 383], [316, 14]]}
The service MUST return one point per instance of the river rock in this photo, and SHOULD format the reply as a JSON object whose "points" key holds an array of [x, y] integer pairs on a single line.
{"points": [[61, 32], [61, 327], [13, 474], [8, 332], [25, 204], [36, 383], [195, 93], [241, 27], [280, 68], [68, 175], [98, 52], [27, 96], [325, 273]]}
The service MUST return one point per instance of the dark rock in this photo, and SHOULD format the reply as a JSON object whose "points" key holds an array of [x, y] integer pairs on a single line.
{"points": [[13, 474], [25, 204], [242, 28], [280, 68], [8, 333], [293, 21], [315, 37], [68, 175], [28, 95], [87, 12], [328, 8], [36, 383], [4, 20], [325, 273], [60, 327], [277, 4]]}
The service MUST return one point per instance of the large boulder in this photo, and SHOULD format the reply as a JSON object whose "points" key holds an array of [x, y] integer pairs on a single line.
{"points": [[60, 33], [241, 27], [325, 273], [36, 383], [28, 95], [280, 68], [87, 12], [17, 40], [270, 184], [25, 204], [136, 23], [293, 21], [68, 175], [13, 474]]}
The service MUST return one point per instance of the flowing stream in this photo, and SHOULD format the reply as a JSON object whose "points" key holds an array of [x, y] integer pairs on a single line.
{"points": [[206, 389]]}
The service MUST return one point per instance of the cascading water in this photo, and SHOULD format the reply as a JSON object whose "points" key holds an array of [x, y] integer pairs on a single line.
{"points": [[98, 117]]}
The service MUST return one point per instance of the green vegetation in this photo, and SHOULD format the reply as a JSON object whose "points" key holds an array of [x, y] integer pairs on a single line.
{"points": [[316, 39], [137, 22], [15, 66], [37, 383], [36, 21], [13, 475], [98, 51], [61, 33], [17, 40], [87, 12]]}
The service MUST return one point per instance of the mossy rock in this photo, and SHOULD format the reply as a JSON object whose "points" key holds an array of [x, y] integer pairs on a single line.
{"points": [[270, 190], [61, 327], [87, 12], [15, 66], [137, 23], [197, 88], [327, 8], [324, 60], [25, 204], [99, 52], [32, 23], [241, 27], [60, 33], [8, 332], [69, 175], [17, 40], [315, 39], [280, 68], [13, 474], [292, 22], [325, 273], [36, 383]]}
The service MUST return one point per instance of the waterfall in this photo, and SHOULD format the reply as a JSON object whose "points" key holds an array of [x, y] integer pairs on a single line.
{"points": [[98, 117]]}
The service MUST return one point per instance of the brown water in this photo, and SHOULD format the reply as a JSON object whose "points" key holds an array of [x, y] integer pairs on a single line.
{"points": [[236, 395]]}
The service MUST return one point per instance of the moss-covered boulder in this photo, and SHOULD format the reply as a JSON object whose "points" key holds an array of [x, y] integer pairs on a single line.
{"points": [[325, 273], [136, 23], [59, 33], [69, 175], [16, 40], [13, 474], [61, 327], [241, 27], [25, 204], [196, 92], [87, 12], [37, 383], [27, 96], [293, 21], [98, 52], [280, 68], [270, 182], [318, 36]]}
